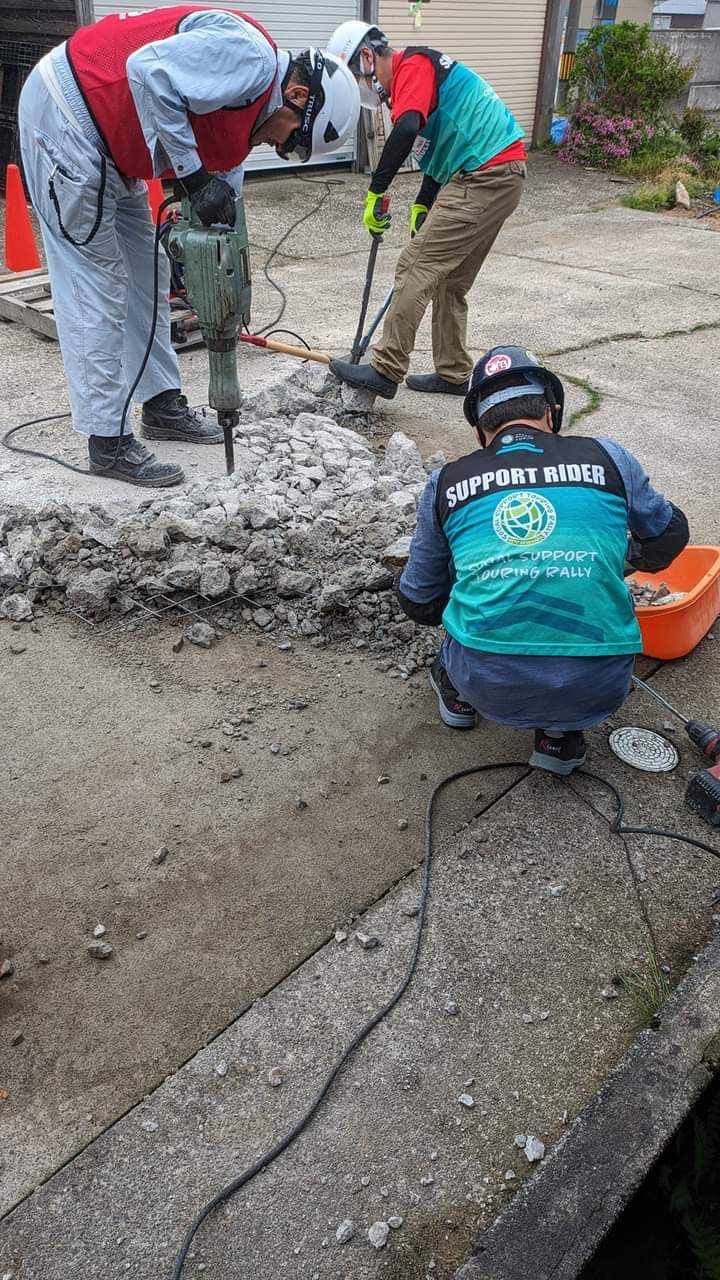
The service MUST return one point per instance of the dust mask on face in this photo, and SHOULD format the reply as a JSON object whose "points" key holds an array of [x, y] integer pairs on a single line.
{"points": [[369, 97], [372, 96]]}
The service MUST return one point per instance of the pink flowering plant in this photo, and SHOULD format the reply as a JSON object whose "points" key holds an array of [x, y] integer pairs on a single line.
{"points": [[622, 82], [603, 141]]}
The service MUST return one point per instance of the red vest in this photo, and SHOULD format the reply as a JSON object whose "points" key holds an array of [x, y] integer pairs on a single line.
{"points": [[98, 57]]}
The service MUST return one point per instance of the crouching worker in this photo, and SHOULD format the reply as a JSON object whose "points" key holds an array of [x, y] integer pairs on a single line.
{"points": [[519, 552]]}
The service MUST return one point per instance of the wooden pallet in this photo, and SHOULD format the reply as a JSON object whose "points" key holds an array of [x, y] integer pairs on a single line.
{"points": [[26, 299]]}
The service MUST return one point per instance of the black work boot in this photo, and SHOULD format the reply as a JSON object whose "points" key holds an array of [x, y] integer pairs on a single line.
{"points": [[365, 378], [562, 754], [168, 416], [131, 462], [435, 385], [453, 710]]}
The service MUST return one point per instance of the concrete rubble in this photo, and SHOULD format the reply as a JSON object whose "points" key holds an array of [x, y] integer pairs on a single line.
{"points": [[298, 533]]}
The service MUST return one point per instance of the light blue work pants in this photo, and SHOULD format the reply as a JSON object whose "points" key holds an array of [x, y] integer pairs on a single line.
{"points": [[102, 291]]}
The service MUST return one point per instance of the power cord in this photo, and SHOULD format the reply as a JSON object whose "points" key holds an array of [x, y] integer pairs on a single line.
{"points": [[70, 466], [328, 184], [616, 825]]}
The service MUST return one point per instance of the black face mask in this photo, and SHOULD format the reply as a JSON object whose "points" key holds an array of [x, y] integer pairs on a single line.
{"points": [[299, 142]]}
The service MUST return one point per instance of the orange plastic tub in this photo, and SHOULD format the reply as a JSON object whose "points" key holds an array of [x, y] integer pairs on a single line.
{"points": [[672, 630]]}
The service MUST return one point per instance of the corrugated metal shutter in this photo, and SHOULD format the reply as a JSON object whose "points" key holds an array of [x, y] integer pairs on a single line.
{"points": [[501, 40], [293, 26]]}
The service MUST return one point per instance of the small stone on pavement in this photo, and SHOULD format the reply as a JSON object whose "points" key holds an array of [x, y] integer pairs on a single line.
{"points": [[368, 941], [100, 950], [345, 1231], [378, 1234], [534, 1149]]}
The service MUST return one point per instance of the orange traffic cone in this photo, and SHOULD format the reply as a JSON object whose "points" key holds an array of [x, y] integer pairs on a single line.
{"points": [[20, 249], [156, 195]]}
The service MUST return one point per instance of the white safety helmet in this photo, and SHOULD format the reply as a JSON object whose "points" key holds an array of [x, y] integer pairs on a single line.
{"points": [[346, 42], [331, 112]]}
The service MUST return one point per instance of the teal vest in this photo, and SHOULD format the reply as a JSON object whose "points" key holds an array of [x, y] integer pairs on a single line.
{"points": [[469, 125], [537, 527]]}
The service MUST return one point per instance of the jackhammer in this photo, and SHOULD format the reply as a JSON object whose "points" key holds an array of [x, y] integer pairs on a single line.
{"points": [[215, 263]]}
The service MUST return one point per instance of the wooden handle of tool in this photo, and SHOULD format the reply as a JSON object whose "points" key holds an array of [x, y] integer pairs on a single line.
{"points": [[302, 353]]}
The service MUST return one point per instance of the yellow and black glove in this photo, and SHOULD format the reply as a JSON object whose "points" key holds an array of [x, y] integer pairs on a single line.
{"points": [[418, 214], [376, 216]]}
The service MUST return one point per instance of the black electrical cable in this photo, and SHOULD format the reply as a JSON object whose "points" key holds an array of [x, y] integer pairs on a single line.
{"points": [[616, 825], [291, 333], [32, 422], [328, 184]]}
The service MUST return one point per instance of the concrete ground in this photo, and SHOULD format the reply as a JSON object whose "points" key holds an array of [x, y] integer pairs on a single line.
{"points": [[110, 1143]]}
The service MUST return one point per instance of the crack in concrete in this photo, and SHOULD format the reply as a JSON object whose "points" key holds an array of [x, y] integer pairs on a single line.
{"points": [[633, 336]]}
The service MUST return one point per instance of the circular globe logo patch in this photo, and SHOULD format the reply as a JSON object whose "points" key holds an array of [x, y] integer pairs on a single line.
{"points": [[524, 519]]}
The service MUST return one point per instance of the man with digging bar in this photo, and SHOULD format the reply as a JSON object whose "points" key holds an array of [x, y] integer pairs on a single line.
{"points": [[471, 151]]}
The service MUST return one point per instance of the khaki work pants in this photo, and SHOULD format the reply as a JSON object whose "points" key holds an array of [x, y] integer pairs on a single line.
{"points": [[440, 265]]}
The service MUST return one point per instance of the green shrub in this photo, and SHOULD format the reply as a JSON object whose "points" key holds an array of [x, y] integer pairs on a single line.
{"points": [[653, 156], [622, 69], [693, 128]]}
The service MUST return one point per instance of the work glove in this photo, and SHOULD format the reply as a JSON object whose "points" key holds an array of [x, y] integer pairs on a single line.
{"points": [[418, 214], [212, 199], [376, 216]]}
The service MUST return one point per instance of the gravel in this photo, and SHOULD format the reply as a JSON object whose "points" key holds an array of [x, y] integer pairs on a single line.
{"points": [[303, 539]]}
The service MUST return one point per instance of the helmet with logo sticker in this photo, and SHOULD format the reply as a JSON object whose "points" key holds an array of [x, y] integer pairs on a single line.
{"points": [[530, 378]]}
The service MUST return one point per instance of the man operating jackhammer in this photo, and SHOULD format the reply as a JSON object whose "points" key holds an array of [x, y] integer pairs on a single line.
{"points": [[471, 151], [519, 551], [181, 92]]}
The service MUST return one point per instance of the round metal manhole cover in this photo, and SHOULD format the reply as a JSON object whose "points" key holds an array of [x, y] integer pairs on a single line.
{"points": [[644, 749]]}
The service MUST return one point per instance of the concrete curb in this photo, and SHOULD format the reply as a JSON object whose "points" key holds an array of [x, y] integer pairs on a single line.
{"points": [[556, 1222]]}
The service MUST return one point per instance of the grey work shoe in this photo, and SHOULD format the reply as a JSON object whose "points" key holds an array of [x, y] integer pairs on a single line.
{"points": [[365, 378], [454, 711], [559, 755], [175, 420], [131, 462], [435, 385]]}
